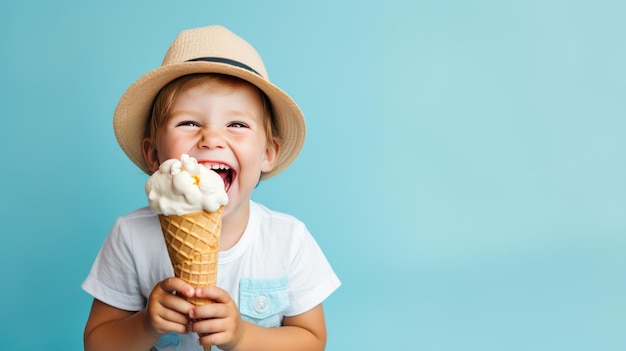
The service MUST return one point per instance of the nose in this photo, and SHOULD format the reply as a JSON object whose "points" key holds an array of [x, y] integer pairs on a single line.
{"points": [[210, 138]]}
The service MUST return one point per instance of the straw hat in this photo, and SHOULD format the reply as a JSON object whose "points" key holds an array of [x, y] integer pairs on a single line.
{"points": [[212, 49]]}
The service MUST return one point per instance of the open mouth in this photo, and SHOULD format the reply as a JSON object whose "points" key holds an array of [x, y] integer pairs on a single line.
{"points": [[225, 172]]}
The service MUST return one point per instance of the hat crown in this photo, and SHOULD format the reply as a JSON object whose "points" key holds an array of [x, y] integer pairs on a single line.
{"points": [[213, 42]]}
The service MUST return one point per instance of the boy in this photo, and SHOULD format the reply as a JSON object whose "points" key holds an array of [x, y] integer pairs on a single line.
{"points": [[211, 99]]}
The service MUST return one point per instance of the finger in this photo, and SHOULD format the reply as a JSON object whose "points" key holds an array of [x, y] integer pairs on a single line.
{"points": [[212, 331], [173, 316], [167, 306], [177, 285], [211, 310], [172, 326], [223, 339], [170, 301], [164, 319], [213, 293]]}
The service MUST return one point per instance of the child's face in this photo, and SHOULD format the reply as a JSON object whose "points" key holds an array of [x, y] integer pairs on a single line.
{"points": [[222, 127]]}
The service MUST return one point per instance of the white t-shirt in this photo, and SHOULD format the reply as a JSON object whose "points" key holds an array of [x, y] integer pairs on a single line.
{"points": [[275, 270]]}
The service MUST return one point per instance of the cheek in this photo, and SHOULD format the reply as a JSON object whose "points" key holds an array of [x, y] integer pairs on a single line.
{"points": [[250, 158], [168, 146]]}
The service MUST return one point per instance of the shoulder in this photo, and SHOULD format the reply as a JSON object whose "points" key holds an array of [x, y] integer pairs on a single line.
{"points": [[266, 214], [135, 225], [276, 222], [281, 231], [139, 214], [137, 219]]}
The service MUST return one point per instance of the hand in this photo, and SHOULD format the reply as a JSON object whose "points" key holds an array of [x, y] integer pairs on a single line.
{"points": [[166, 310], [218, 323]]}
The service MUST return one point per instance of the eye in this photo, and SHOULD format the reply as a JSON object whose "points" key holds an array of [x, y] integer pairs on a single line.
{"points": [[238, 125], [188, 124]]}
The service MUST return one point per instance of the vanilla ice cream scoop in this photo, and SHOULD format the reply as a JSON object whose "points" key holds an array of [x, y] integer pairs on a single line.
{"points": [[184, 186]]}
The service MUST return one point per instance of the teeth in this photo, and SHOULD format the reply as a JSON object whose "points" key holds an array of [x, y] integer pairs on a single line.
{"points": [[220, 166]]}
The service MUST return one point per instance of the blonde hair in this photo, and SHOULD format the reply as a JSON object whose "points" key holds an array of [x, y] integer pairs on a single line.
{"points": [[165, 99]]}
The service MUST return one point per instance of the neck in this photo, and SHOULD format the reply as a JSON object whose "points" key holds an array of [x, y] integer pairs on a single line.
{"points": [[234, 223]]}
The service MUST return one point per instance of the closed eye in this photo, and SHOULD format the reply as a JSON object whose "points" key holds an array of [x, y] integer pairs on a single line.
{"points": [[238, 125], [188, 124]]}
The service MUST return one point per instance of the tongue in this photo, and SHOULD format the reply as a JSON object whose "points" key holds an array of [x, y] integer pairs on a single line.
{"points": [[225, 177]]}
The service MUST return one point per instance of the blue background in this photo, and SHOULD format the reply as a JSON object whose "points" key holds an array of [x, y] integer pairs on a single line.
{"points": [[464, 168]]}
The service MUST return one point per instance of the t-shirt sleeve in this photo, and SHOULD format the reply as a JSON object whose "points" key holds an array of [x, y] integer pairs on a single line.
{"points": [[113, 276], [311, 278]]}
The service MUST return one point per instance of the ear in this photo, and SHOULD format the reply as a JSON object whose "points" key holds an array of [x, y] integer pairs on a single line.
{"points": [[150, 154], [270, 156]]}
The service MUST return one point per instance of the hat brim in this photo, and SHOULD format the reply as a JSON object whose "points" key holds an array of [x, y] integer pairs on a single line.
{"points": [[133, 110]]}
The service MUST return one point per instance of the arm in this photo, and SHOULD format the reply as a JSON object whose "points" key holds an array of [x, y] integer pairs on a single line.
{"points": [[109, 328], [221, 324], [306, 331]]}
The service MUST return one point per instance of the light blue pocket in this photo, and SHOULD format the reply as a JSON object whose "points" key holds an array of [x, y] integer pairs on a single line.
{"points": [[261, 301], [168, 340]]}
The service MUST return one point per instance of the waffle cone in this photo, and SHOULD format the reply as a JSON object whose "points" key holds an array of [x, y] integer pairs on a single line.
{"points": [[192, 242]]}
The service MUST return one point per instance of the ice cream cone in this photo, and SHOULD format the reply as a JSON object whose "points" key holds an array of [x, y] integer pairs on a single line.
{"points": [[192, 242]]}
